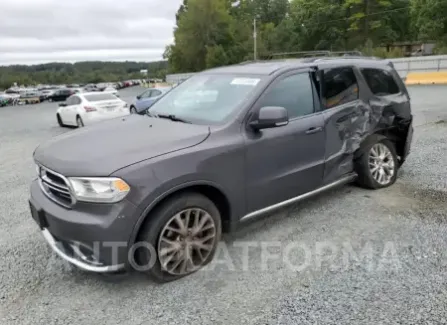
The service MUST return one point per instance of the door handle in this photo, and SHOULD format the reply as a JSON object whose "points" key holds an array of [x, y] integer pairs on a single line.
{"points": [[314, 130]]}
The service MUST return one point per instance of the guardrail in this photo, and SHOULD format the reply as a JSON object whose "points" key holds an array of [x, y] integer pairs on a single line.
{"points": [[404, 66]]}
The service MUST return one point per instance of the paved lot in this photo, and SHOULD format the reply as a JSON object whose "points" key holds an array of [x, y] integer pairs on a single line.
{"points": [[397, 234]]}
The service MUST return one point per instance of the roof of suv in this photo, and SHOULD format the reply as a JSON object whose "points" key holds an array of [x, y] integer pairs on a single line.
{"points": [[271, 66]]}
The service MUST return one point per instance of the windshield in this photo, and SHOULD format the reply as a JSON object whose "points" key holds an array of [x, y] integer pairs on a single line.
{"points": [[206, 99], [100, 97]]}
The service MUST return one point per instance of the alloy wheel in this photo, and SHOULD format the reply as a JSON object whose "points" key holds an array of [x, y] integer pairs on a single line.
{"points": [[381, 164], [186, 241]]}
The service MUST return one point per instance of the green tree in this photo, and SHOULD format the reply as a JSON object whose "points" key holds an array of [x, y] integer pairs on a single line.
{"points": [[429, 19], [80, 72], [183, 8], [216, 56], [205, 24]]}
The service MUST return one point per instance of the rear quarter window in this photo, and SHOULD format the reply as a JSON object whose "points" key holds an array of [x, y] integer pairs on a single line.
{"points": [[381, 82]]}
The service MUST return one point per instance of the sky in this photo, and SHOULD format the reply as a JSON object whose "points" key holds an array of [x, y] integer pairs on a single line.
{"points": [[40, 31]]}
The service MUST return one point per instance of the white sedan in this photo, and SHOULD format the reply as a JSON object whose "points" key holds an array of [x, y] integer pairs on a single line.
{"points": [[87, 108]]}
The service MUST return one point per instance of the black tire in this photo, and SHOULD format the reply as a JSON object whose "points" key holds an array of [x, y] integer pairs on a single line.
{"points": [[59, 121], [151, 231], [133, 110], [79, 122], [362, 164]]}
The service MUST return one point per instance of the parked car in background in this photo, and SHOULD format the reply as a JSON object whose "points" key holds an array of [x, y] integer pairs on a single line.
{"points": [[87, 108], [30, 96], [45, 93], [146, 99], [60, 95], [90, 88], [111, 90], [12, 91]]}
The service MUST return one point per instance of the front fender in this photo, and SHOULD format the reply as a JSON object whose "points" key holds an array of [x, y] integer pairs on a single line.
{"points": [[164, 194]]}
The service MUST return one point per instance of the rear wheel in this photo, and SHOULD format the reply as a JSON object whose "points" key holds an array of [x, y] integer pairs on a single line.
{"points": [[377, 167], [79, 122], [184, 232]]}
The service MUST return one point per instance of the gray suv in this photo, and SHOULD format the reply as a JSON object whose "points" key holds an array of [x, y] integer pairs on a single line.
{"points": [[154, 193]]}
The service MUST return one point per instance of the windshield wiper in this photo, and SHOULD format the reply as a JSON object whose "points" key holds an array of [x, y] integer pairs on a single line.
{"points": [[172, 117]]}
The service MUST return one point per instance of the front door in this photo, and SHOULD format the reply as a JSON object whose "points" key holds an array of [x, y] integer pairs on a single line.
{"points": [[286, 161], [144, 101]]}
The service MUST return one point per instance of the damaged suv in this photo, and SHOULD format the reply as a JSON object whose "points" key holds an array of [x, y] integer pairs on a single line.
{"points": [[225, 146]]}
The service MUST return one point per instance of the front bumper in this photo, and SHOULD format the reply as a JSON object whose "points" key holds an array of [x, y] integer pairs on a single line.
{"points": [[77, 258], [93, 237]]}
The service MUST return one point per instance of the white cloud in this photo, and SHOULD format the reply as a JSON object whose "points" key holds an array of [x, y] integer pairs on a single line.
{"points": [[36, 31]]}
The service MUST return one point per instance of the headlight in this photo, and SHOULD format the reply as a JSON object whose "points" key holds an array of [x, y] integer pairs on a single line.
{"points": [[99, 189]]}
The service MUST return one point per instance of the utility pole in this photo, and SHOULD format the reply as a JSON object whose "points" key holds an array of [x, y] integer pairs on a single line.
{"points": [[254, 39]]}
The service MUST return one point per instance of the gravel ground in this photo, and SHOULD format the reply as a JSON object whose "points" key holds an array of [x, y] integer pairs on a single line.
{"points": [[349, 256]]}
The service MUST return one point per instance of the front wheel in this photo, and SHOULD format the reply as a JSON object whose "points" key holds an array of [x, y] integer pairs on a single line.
{"points": [[133, 110], [377, 167], [184, 233]]}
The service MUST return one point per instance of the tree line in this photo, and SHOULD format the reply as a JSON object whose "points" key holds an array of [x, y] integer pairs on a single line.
{"points": [[80, 72], [211, 33]]}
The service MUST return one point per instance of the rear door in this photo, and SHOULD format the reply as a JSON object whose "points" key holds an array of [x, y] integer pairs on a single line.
{"points": [[284, 162], [347, 119]]}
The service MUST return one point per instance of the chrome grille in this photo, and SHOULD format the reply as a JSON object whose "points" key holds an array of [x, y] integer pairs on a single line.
{"points": [[55, 186]]}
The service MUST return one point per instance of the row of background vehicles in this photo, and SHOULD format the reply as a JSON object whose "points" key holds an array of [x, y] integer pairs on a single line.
{"points": [[32, 95], [83, 108]]}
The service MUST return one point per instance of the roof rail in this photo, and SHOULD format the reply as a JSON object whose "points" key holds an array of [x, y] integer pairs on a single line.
{"points": [[312, 54], [248, 61], [300, 54], [347, 53]]}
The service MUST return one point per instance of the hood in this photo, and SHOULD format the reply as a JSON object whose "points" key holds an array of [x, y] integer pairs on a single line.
{"points": [[101, 149]]}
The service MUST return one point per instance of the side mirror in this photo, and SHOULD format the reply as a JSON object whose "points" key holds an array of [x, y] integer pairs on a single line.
{"points": [[139, 97], [270, 117], [62, 104]]}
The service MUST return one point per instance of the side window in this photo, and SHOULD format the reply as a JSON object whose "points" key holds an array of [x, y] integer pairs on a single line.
{"points": [[293, 93], [339, 87], [147, 94], [380, 82], [156, 93], [76, 100], [70, 101]]}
